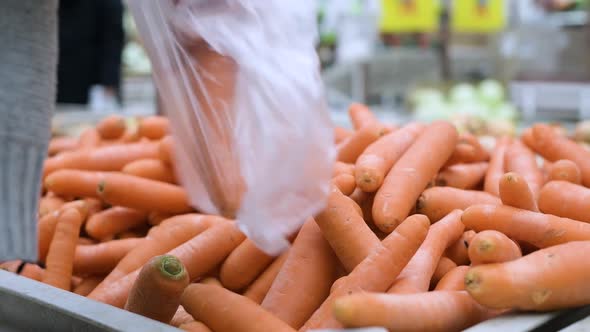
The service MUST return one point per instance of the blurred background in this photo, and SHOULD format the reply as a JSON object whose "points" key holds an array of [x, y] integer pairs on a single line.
{"points": [[490, 66]]}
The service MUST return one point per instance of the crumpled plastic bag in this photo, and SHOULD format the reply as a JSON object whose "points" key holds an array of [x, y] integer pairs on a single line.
{"points": [[239, 81]]}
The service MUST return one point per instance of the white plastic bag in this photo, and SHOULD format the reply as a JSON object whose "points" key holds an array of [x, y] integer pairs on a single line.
{"points": [[240, 83]]}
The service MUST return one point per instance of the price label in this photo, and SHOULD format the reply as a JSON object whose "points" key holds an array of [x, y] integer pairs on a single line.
{"points": [[478, 16], [403, 16]]}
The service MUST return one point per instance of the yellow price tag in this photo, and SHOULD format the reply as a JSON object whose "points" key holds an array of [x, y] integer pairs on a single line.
{"points": [[478, 16], [401, 16]]}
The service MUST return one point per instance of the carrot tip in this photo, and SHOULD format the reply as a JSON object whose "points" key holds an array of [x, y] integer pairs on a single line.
{"points": [[485, 246], [472, 281], [171, 267]]}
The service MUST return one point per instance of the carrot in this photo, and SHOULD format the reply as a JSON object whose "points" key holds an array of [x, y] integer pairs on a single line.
{"points": [[520, 159], [360, 116], [142, 194], [376, 272], [61, 144], [445, 265], [87, 285], [93, 206], [113, 221], [454, 280], [548, 279], [555, 147], [259, 288], [345, 183], [492, 247], [432, 311], [111, 127], [496, 166], [211, 281], [359, 196], [161, 239], [375, 162], [155, 218], [349, 150], [342, 168], [416, 276], [71, 182], [481, 154], [199, 255], [154, 127], [210, 305], [157, 290], [457, 251], [565, 170], [60, 256], [514, 191], [565, 199], [194, 326], [107, 158], [49, 204], [437, 202], [243, 265], [468, 237], [89, 139], [539, 229], [412, 172], [346, 231], [181, 317], [528, 139], [311, 265], [103, 257], [341, 134], [153, 169], [463, 153], [166, 150], [462, 176]]}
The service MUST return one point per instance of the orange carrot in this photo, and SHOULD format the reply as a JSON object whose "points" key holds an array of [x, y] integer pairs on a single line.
{"points": [[565, 170], [349, 150], [462, 176], [311, 265], [161, 239], [445, 265], [157, 290], [49, 204], [454, 280], [468, 237], [143, 194], [375, 162], [103, 257], [32, 271], [166, 150], [89, 139], [71, 182], [346, 231], [199, 255], [107, 158], [539, 229], [342, 168], [481, 154], [11, 266], [60, 257], [376, 272], [181, 317], [211, 281], [153, 169], [410, 175], [514, 191], [492, 247], [345, 183], [457, 251], [496, 167], [62, 144], [194, 326], [243, 265], [555, 147], [259, 288], [87, 285], [416, 276], [565, 199], [341, 134], [359, 196], [549, 279], [437, 202], [360, 116], [528, 139], [115, 220], [463, 153], [433, 311], [520, 159], [155, 218], [111, 127], [210, 305], [154, 127]]}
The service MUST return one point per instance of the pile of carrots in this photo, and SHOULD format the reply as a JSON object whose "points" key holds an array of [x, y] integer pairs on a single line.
{"points": [[424, 230]]}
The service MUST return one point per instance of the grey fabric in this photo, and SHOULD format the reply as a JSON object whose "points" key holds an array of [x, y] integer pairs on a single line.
{"points": [[28, 53]]}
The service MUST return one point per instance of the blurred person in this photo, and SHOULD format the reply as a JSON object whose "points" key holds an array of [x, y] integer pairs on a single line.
{"points": [[91, 39]]}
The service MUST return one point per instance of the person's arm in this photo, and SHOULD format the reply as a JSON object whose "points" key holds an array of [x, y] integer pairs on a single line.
{"points": [[28, 57], [111, 44]]}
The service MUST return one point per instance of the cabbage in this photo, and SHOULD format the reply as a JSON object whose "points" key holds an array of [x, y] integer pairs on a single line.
{"points": [[491, 92], [463, 93]]}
